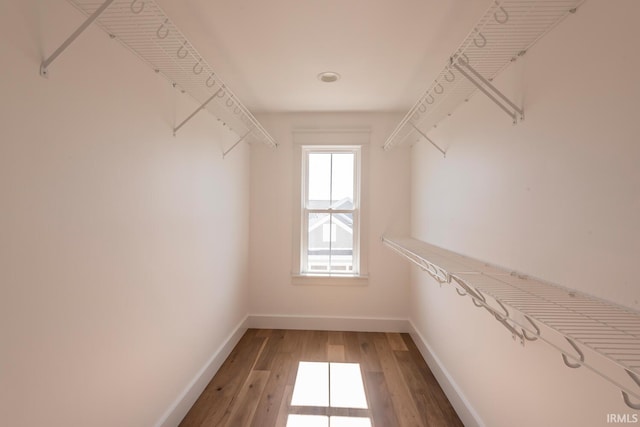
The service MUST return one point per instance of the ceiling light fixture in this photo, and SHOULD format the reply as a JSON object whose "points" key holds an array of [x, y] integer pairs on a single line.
{"points": [[328, 77]]}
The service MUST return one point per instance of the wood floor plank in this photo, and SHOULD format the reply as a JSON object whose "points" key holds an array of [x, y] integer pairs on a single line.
{"points": [[382, 410], [283, 412], [266, 413], [370, 361], [425, 400], [315, 346], [433, 388], [212, 407], [292, 341], [272, 347], [245, 406], [335, 353], [404, 406], [396, 342], [352, 352], [424, 368], [336, 337]]}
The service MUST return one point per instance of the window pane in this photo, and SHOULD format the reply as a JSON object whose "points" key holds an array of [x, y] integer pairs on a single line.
{"points": [[329, 232], [331, 181], [330, 243], [342, 181], [319, 185], [318, 248]]}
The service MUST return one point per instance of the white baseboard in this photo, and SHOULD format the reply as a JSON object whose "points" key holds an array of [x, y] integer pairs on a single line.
{"points": [[327, 323], [174, 415], [465, 411]]}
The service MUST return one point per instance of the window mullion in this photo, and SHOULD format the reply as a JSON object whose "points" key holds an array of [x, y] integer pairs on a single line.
{"points": [[330, 241], [330, 214], [333, 211], [305, 240]]}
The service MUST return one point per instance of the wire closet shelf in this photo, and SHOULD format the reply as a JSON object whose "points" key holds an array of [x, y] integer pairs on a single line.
{"points": [[590, 332], [506, 31], [144, 28]]}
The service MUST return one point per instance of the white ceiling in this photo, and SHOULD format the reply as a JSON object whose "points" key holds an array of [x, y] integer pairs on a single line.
{"points": [[270, 51]]}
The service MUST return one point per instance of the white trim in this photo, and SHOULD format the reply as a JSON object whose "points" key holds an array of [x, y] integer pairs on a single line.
{"points": [[177, 411], [336, 137], [331, 136], [328, 323], [459, 401], [329, 280]]}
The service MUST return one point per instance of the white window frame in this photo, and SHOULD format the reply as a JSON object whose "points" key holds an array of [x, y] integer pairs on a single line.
{"points": [[305, 211], [329, 137]]}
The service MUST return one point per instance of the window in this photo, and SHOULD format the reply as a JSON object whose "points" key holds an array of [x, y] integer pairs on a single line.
{"points": [[331, 165], [330, 223]]}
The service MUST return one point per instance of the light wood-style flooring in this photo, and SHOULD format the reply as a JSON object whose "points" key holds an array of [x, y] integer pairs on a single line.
{"points": [[255, 384]]}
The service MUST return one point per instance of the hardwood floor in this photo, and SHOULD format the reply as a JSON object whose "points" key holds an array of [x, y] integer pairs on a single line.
{"points": [[254, 386]]}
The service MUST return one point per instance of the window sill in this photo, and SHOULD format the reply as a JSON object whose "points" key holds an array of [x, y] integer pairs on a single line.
{"points": [[328, 280]]}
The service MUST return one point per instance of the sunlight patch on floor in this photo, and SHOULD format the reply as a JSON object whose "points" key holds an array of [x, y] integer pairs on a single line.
{"points": [[323, 385]]}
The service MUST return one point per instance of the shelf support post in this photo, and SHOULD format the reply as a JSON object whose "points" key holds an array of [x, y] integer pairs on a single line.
{"points": [[200, 108], [444, 153], [234, 145], [480, 82], [44, 66]]}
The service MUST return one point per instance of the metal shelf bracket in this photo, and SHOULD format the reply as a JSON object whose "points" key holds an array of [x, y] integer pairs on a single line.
{"points": [[424, 135], [516, 113], [44, 67], [200, 108], [235, 145]]}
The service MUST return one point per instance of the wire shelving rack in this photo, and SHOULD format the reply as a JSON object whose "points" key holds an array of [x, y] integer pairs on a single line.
{"points": [[599, 335], [505, 32], [144, 28]]}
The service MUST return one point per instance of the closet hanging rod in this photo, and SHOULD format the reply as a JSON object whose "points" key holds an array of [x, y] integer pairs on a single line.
{"points": [[490, 90]]}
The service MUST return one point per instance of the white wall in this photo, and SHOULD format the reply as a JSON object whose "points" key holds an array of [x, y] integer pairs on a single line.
{"points": [[556, 196], [272, 189], [123, 250]]}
